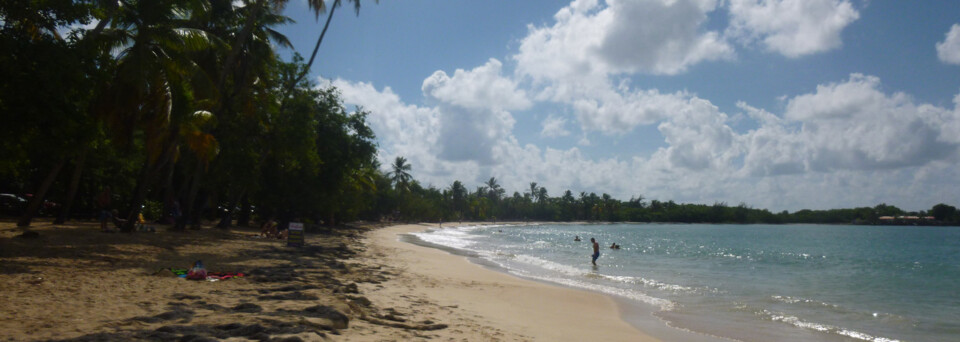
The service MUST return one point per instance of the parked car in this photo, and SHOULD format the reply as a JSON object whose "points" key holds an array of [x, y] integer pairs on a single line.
{"points": [[11, 204]]}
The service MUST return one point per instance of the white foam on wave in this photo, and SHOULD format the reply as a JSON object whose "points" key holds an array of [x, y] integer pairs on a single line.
{"points": [[652, 283], [660, 303], [826, 328], [549, 265], [455, 238], [795, 300]]}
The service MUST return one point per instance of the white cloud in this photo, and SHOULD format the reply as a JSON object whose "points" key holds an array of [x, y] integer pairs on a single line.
{"points": [[474, 111], [844, 144], [481, 88], [573, 60], [613, 112], [589, 41], [554, 127], [402, 129], [699, 138], [659, 37], [949, 49], [792, 28], [853, 125], [850, 126]]}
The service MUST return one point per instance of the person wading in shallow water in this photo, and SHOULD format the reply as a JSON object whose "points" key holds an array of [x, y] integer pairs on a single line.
{"points": [[596, 251]]}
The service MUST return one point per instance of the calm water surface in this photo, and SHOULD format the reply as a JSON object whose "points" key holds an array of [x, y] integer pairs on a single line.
{"points": [[747, 282]]}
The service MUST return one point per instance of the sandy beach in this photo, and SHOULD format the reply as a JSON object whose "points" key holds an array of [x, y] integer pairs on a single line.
{"points": [[482, 304], [73, 283]]}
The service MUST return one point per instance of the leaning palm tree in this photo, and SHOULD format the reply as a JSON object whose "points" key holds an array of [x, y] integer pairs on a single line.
{"points": [[400, 174], [319, 6]]}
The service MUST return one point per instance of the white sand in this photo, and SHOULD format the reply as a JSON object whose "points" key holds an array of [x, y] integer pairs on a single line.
{"points": [[482, 304]]}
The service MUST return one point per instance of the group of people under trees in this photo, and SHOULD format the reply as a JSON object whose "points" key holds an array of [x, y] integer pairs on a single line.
{"points": [[270, 229], [107, 215]]}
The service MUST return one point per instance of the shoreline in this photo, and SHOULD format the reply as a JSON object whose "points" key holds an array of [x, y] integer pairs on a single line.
{"points": [[640, 316], [518, 308]]}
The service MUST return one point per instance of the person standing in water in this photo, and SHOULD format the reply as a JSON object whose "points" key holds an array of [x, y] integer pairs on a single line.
{"points": [[596, 251]]}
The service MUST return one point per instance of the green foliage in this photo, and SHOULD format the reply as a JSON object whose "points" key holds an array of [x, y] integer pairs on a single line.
{"points": [[152, 210]]}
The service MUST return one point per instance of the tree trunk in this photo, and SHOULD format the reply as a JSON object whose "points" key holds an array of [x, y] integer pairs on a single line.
{"points": [[74, 185], [137, 200], [37, 199], [190, 205], [146, 174], [243, 217]]}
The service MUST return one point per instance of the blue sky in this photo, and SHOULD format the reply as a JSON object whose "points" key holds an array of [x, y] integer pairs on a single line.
{"points": [[778, 104]]}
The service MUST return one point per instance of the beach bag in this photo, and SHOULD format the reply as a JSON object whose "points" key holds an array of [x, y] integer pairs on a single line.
{"points": [[198, 272]]}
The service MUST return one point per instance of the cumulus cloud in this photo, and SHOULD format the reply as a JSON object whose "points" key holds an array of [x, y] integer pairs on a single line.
{"points": [[699, 138], [850, 125], [554, 127], [792, 28], [402, 129], [574, 60], [481, 88], [855, 125], [949, 49], [589, 41], [615, 112], [473, 108], [660, 37]]}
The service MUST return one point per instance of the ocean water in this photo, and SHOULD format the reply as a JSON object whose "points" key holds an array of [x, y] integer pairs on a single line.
{"points": [[745, 282]]}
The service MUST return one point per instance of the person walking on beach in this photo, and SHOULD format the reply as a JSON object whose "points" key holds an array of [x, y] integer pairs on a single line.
{"points": [[596, 251]]}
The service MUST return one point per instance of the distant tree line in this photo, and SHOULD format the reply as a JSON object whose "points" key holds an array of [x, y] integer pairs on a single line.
{"points": [[488, 202]]}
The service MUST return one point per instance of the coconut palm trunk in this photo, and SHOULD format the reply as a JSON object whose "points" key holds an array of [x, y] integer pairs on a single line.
{"points": [[64, 213], [38, 197]]}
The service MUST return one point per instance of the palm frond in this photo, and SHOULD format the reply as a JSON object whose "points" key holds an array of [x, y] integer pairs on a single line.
{"points": [[195, 39], [279, 38]]}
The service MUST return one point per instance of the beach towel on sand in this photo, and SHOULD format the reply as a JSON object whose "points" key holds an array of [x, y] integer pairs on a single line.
{"points": [[184, 273]]}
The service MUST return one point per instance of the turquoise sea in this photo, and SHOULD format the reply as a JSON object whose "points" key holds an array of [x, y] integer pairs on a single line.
{"points": [[744, 282]]}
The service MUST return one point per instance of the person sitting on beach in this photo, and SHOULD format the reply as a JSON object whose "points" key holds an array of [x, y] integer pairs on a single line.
{"points": [[141, 222], [117, 221], [269, 228]]}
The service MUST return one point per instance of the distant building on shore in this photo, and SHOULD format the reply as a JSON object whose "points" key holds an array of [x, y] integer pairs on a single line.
{"points": [[908, 220]]}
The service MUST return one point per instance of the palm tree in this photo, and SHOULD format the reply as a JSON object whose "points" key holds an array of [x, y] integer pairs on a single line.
{"points": [[496, 192], [152, 89], [533, 191], [458, 194], [400, 174]]}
